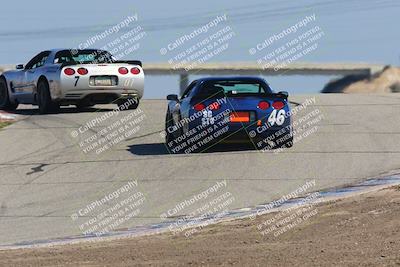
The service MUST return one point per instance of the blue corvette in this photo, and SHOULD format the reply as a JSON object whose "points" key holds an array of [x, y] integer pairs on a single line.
{"points": [[228, 109]]}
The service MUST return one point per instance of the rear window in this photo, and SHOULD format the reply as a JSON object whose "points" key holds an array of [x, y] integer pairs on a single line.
{"points": [[83, 57], [233, 88]]}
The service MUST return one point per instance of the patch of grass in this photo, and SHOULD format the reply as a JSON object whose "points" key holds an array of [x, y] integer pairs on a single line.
{"points": [[395, 187], [4, 124]]}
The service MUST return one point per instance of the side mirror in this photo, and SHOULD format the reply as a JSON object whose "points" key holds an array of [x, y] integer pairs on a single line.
{"points": [[20, 67], [283, 94], [172, 97]]}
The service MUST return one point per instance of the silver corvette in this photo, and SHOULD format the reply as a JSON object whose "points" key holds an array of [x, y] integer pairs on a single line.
{"points": [[60, 77]]}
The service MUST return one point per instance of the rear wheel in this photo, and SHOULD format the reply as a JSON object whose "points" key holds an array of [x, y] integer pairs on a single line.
{"points": [[83, 106], [130, 103], [288, 143], [46, 105], [5, 103]]}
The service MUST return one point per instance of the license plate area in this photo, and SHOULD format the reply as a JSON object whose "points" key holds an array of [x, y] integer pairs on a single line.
{"points": [[103, 80], [241, 116]]}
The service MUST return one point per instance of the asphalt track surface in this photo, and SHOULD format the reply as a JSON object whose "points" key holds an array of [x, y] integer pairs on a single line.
{"points": [[45, 177]]}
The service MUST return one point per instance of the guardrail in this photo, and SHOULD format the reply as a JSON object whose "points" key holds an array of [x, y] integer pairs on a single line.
{"points": [[251, 68]]}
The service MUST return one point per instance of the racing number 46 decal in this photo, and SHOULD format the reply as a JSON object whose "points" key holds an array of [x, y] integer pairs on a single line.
{"points": [[277, 117]]}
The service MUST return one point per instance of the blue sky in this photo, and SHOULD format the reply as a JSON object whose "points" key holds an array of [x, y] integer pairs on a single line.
{"points": [[355, 30]]}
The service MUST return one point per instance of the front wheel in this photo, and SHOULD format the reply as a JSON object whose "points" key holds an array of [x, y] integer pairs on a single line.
{"points": [[46, 105], [168, 122], [5, 103], [172, 134]]}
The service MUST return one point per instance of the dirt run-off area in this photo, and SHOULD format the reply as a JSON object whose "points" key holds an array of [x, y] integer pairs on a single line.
{"points": [[386, 81], [362, 230]]}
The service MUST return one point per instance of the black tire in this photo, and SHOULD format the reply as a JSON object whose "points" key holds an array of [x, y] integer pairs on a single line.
{"points": [[46, 105], [288, 143], [5, 103], [81, 106], [126, 102], [172, 136], [168, 136]]}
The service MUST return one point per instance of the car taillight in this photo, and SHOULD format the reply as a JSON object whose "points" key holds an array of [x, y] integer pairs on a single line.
{"points": [[69, 71], [214, 106], [263, 105], [82, 71], [135, 71], [199, 107], [278, 105], [123, 70]]}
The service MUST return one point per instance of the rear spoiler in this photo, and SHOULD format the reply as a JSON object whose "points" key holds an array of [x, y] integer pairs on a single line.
{"points": [[130, 62], [282, 94]]}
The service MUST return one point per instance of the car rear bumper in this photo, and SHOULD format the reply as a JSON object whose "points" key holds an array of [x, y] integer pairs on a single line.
{"points": [[241, 133], [96, 96], [250, 134]]}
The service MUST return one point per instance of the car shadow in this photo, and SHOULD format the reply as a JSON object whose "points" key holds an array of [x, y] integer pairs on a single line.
{"points": [[148, 149], [157, 149], [62, 110]]}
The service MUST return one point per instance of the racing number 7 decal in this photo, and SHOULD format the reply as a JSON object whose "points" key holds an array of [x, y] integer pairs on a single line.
{"points": [[77, 79], [277, 117]]}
